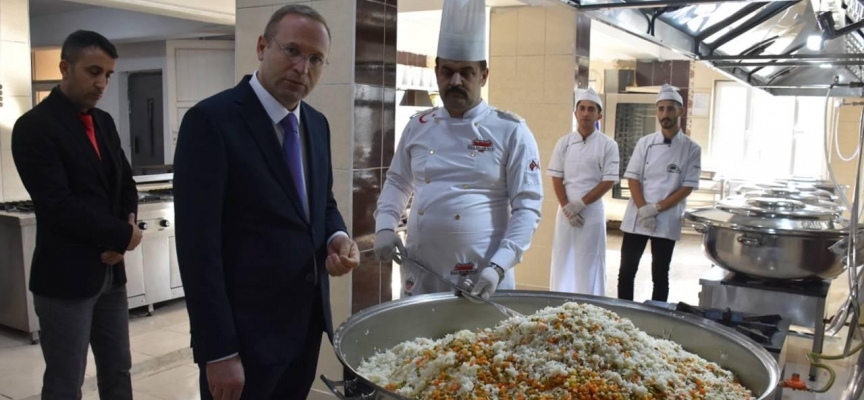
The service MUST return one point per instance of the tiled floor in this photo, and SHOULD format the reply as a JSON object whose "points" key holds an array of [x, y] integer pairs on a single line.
{"points": [[162, 361]]}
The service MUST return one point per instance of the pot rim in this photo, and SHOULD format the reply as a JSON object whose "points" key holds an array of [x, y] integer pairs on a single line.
{"points": [[691, 215], [766, 358]]}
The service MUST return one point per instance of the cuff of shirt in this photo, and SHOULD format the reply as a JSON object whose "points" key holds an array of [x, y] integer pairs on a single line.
{"points": [[223, 358], [631, 175], [555, 173], [504, 258], [338, 233], [385, 222]]}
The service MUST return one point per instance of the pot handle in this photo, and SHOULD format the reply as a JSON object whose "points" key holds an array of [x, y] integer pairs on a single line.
{"points": [[749, 241], [700, 228], [334, 387]]}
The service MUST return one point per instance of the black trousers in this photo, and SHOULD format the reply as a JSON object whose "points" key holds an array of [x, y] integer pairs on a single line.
{"points": [[631, 253], [69, 326], [291, 381]]}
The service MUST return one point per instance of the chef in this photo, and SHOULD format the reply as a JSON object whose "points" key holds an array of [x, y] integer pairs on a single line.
{"points": [[662, 172], [583, 168], [474, 171]]}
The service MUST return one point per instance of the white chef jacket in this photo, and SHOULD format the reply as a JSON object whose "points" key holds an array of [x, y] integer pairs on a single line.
{"points": [[583, 164], [579, 253], [477, 193], [662, 168]]}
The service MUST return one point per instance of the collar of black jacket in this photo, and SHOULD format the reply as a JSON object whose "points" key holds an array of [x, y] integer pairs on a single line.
{"points": [[66, 103]]}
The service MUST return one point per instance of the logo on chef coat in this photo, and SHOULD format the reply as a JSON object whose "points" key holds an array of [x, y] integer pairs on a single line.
{"points": [[534, 165], [464, 269], [409, 284], [480, 145], [673, 169]]}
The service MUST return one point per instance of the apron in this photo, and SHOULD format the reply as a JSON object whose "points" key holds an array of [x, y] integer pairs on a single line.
{"points": [[579, 256], [579, 253]]}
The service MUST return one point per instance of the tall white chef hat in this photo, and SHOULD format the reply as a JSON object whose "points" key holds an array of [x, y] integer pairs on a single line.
{"points": [[590, 95], [667, 92], [463, 30]]}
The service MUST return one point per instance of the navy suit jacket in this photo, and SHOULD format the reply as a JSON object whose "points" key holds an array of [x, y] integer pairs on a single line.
{"points": [[250, 260]]}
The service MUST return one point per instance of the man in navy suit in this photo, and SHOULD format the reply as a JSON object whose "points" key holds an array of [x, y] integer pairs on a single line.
{"points": [[258, 230]]}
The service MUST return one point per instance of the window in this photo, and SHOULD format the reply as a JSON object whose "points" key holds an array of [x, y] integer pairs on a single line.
{"points": [[758, 136]]}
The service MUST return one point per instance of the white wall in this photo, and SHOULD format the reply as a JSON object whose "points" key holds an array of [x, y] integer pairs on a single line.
{"points": [[119, 26], [15, 78]]}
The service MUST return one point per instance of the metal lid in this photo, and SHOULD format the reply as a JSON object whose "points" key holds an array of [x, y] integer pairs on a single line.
{"points": [[771, 215]]}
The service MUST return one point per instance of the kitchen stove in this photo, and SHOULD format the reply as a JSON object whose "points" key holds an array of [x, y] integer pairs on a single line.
{"points": [[155, 196], [802, 302], [769, 331], [17, 206]]}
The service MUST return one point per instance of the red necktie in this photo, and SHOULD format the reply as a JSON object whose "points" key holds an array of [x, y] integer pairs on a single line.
{"points": [[87, 120]]}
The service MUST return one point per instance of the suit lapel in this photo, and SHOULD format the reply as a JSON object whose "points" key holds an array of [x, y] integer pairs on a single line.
{"points": [[77, 134], [262, 130]]}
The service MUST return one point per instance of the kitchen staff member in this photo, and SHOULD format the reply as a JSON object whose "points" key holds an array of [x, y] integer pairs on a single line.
{"points": [[583, 168], [662, 172], [474, 171]]}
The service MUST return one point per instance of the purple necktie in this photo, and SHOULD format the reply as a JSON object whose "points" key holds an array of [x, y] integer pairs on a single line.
{"points": [[291, 148]]}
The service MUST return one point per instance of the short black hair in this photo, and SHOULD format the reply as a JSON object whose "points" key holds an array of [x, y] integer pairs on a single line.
{"points": [[483, 64], [80, 40], [293, 9]]}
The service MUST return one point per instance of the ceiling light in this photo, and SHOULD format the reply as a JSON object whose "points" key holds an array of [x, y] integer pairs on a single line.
{"points": [[826, 66], [814, 42]]}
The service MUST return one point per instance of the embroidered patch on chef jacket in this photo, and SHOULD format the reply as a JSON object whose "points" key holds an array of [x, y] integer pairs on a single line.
{"points": [[673, 169], [480, 145], [534, 165], [464, 269]]}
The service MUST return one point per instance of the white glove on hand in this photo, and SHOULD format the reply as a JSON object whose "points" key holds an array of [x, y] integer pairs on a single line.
{"points": [[386, 241], [577, 221], [487, 283], [574, 208], [648, 211], [649, 223]]}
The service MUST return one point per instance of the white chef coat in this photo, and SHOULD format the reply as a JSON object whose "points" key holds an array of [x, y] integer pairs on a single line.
{"points": [[477, 194], [579, 253], [662, 168]]}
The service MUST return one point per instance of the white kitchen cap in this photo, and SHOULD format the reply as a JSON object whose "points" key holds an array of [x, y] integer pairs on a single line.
{"points": [[463, 30], [590, 95], [669, 93]]}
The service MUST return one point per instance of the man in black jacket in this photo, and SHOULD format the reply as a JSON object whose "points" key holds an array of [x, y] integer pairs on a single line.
{"points": [[69, 157]]}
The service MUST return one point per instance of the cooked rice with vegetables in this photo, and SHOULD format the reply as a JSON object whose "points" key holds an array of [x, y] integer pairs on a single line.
{"points": [[576, 351]]}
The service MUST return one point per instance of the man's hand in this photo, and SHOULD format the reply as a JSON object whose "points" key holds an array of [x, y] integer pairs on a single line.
{"points": [[577, 220], [649, 223], [574, 208], [136, 234], [386, 242], [487, 284], [111, 258], [342, 256], [226, 379], [648, 211]]}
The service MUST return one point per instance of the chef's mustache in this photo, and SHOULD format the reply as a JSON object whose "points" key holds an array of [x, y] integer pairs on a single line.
{"points": [[456, 90]]}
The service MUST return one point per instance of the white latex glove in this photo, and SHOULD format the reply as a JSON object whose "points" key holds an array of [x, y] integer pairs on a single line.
{"points": [[386, 242], [574, 208], [648, 211], [649, 223], [487, 284], [577, 220]]}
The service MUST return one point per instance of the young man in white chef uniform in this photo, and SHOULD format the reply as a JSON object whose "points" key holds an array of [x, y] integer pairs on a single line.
{"points": [[662, 172], [583, 168], [474, 171]]}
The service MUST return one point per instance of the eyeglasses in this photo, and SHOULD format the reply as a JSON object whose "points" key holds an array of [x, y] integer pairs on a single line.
{"points": [[295, 55]]}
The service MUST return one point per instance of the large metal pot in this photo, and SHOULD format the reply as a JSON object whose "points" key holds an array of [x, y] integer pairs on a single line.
{"points": [[771, 238], [434, 316]]}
